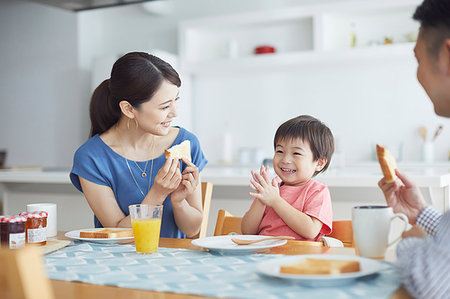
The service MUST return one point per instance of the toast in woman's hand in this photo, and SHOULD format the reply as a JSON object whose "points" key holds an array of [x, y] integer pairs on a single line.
{"points": [[182, 150], [107, 233], [320, 266], [387, 163]]}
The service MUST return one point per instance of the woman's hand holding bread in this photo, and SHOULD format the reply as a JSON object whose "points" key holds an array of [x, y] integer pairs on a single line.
{"points": [[189, 182], [403, 196], [168, 178]]}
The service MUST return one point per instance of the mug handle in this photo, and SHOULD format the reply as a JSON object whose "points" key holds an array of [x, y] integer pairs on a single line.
{"points": [[405, 220]]}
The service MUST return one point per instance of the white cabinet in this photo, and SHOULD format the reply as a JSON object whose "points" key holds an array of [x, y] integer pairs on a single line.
{"points": [[313, 33]]}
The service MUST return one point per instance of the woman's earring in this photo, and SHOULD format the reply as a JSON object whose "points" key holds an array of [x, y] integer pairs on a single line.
{"points": [[128, 124], [137, 124]]}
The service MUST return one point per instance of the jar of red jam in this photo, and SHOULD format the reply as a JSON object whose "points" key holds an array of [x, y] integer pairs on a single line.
{"points": [[12, 231], [36, 227]]}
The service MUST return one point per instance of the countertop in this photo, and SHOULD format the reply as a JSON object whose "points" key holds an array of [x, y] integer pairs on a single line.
{"points": [[358, 175]]}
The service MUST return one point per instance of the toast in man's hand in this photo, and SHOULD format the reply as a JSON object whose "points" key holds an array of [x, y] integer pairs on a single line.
{"points": [[387, 163], [182, 150], [320, 266], [107, 233]]}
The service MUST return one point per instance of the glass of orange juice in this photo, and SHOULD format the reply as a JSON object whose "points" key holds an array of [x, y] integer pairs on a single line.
{"points": [[146, 224]]}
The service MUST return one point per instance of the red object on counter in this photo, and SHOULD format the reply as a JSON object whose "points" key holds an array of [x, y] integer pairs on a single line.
{"points": [[264, 50]]}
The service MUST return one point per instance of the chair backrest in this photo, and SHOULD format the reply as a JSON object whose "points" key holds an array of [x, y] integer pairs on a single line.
{"points": [[207, 189], [227, 223], [22, 274], [343, 230]]}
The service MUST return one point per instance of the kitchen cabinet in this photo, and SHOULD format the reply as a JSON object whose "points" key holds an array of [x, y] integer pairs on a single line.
{"points": [[313, 33]]}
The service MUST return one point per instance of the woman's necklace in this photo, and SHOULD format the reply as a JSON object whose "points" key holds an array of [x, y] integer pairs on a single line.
{"points": [[144, 174]]}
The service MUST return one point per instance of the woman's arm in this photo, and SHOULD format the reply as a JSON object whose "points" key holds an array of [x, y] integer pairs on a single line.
{"points": [[187, 201], [252, 218], [103, 203]]}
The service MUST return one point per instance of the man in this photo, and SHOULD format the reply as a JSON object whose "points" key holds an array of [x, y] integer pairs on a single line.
{"points": [[424, 257]]}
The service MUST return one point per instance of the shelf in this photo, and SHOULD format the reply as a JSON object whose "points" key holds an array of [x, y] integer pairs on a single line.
{"points": [[281, 61], [307, 34]]}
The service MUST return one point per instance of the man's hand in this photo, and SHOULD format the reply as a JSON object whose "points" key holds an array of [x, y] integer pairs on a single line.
{"points": [[403, 196]]}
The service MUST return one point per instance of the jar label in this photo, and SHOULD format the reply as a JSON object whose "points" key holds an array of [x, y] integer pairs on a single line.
{"points": [[16, 240], [37, 235]]}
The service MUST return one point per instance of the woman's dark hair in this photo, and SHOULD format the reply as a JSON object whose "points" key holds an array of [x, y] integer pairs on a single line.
{"points": [[312, 130], [434, 18], [135, 77]]}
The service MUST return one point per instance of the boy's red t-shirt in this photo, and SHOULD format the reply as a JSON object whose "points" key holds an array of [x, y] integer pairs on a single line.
{"points": [[312, 198]]}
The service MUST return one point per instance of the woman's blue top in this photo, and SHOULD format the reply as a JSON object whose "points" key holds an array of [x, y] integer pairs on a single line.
{"points": [[98, 163]]}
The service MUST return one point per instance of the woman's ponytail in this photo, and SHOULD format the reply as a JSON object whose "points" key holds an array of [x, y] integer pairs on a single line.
{"points": [[104, 109]]}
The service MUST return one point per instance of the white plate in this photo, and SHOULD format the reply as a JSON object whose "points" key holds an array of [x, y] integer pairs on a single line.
{"points": [[75, 234], [223, 244], [368, 267]]}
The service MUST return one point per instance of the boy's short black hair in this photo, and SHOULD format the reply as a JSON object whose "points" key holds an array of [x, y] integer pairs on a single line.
{"points": [[308, 128], [434, 18]]}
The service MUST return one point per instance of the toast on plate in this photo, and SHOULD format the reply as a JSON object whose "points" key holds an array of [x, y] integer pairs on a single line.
{"points": [[320, 266], [107, 233], [182, 150], [387, 163]]}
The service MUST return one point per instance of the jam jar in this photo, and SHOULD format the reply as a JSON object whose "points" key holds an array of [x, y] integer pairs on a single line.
{"points": [[36, 227], [12, 231]]}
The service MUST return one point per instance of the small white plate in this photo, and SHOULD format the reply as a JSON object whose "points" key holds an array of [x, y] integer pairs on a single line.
{"points": [[223, 244], [368, 267], [75, 234]]}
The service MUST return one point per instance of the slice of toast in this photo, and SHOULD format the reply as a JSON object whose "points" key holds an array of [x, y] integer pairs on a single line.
{"points": [[182, 150], [107, 233], [387, 163], [320, 266]]}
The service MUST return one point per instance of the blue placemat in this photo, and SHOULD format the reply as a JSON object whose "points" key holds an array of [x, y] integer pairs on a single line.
{"points": [[196, 272]]}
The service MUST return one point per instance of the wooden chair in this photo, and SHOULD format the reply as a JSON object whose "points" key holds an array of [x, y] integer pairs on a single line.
{"points": [[343, 230], [227, 223], [207, 189], [22, 274]]}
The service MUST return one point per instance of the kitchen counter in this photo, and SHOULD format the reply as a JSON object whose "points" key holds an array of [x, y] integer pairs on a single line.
{"points": [[359, 175], [349, 186]]}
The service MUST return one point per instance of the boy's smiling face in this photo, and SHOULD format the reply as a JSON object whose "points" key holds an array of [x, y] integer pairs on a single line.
{"points": [[294, 163]]}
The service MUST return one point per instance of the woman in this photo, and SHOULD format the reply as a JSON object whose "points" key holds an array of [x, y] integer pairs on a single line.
{"points": [[123, 162]]}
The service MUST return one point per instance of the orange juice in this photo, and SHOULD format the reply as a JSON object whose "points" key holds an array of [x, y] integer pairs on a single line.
{"points": [[146, 234]]}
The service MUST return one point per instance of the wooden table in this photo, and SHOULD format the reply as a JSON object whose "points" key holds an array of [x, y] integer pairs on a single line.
{"points": [[73, 290]]}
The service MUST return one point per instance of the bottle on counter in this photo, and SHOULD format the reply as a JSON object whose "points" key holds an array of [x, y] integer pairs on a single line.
{"points": [[353, 37], [12, 231]]}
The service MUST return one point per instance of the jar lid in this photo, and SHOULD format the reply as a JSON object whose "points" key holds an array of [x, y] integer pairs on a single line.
{"points": [[37, 214], [12, 219]]}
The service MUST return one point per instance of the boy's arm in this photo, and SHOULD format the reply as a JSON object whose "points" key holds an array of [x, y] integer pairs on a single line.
{"points": [[252, 218], [306, 226]]}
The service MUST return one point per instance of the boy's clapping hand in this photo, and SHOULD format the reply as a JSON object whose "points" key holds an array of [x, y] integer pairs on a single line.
{"points": [[266, 188]]}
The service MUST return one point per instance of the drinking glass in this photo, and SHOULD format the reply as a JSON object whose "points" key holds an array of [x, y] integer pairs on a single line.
{"points": [[146, 224]]}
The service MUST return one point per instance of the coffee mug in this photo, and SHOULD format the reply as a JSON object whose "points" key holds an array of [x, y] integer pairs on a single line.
{"points": [[50, 208], [371, 226]]}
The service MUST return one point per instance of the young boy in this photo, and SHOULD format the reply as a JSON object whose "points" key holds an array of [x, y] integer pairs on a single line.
{"points": [[298, 206]]}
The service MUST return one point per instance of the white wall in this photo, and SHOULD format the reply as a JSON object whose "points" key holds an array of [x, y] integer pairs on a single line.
{"points": [[47, 56], [363, 103], [41, 110]]}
